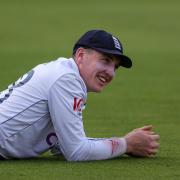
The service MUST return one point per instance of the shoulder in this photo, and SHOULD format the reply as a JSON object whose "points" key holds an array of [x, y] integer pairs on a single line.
{"points": [[62, 69], [62, 77], [70, 83], [67, 73], [55, 69]]}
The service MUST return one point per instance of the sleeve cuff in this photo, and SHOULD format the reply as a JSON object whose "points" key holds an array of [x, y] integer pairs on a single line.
{"points": [[123, 146]]}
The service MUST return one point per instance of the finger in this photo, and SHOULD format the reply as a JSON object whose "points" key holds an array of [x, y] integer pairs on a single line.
{"points": [[155, 137], [153, 151], [154, 145], [147, 128], [150, 132]]}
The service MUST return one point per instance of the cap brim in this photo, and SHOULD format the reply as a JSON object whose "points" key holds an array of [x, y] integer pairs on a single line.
{"points": [[125, 61]]}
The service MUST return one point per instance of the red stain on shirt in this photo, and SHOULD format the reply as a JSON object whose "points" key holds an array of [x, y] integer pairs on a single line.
{"points": [[114, 145]]}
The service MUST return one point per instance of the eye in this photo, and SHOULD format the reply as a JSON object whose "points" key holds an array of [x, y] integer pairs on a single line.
{"points": [[109, 62], [106, 60]]}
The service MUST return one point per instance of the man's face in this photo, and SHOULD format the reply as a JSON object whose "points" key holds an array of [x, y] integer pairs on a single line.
{"points": [[96, 69]]}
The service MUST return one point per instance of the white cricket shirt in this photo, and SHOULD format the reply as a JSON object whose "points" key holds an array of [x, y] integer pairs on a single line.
{"points": [[45, 107]]}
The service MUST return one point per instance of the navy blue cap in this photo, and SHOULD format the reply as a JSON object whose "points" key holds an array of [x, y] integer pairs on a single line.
{"points": [[104, 42]]}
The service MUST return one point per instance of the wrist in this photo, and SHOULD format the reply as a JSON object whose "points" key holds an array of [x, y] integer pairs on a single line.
{"points": [[128, 146], [123, 145]]}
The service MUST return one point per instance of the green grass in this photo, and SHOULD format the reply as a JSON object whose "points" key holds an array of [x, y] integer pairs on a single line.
{"points": [[37, 31], [124, 168]]}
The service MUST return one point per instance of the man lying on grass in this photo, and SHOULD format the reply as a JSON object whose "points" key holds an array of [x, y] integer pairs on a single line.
{"points": [[43, 109]]}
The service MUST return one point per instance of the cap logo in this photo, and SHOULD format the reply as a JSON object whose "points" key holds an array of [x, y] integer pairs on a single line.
{"points": [[116, 43]]}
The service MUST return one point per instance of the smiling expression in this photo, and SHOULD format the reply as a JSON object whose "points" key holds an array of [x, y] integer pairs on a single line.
{"points": [[96, 69]]}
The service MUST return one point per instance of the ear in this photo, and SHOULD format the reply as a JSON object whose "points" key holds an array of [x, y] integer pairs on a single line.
{"points": [[79, 55]]}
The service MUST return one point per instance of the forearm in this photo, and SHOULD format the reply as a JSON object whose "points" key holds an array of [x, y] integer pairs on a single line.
{"points": [[98, 149]]}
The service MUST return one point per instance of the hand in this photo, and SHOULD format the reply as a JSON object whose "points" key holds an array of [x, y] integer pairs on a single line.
{"points": [[142, 142]]}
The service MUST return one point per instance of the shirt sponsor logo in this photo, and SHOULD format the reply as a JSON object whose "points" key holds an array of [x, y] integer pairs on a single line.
{"points": [[78, 104], [51, 139]]}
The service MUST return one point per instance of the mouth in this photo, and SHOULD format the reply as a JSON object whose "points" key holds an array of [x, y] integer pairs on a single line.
{"points": [[103, 80]]}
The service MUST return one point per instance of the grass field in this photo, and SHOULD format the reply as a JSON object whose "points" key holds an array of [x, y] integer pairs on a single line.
{"points": [[36, 31]]}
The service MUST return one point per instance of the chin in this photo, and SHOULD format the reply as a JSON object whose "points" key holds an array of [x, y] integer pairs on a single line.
{"points": [[97, 89]]}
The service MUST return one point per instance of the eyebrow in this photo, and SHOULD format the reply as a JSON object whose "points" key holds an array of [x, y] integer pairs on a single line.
{"points": [[108, 55], [113, 57]]}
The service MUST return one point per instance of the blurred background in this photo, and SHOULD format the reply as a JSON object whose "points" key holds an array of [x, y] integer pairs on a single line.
{"points": [[37, 31]]}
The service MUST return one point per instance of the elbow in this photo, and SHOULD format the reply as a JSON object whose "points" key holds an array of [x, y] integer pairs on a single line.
{"points": [[76, 158], [82, 153]]}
